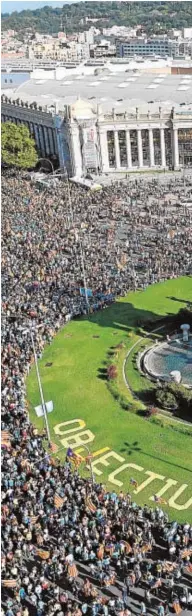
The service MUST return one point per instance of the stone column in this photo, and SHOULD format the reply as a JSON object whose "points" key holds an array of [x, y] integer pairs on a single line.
{"points": [[104, 154], [75, 151], [128, 145], [117, 151], [151, 148], [140, 148], [175, 148], [162, 140]]}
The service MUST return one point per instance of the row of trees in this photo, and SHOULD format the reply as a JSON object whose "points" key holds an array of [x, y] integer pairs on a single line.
{"points": [[154, 16], [17, 146]]}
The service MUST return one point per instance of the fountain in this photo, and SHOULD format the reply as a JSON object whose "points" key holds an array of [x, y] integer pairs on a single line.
{"points": [[175, 376], [171, 360]]}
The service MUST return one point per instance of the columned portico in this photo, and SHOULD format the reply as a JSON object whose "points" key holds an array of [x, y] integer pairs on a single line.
{"points": [[104, 155], [162, 141], [117, 151], [175, 148], [76, 151], [151, 148], [82, 137]]}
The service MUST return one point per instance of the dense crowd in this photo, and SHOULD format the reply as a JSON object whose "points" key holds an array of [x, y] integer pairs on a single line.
{"points": [[69, 547]]}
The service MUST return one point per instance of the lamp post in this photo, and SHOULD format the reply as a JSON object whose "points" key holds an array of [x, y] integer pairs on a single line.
{"points": [[30, 331], [90, 464]]}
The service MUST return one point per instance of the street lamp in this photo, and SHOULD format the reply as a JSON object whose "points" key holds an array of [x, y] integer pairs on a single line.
{"points": [[90, 464], [30, 331]]}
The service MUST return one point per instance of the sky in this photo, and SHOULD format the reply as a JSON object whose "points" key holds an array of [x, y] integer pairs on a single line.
{"points": [[17, 5]]}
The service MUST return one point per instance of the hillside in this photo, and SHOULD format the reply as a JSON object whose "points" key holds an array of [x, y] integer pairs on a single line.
{"points": [[156, 17]]}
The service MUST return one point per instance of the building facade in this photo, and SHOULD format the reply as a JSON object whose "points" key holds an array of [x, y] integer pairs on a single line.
{"points": [[151, 47], [87, 141]]}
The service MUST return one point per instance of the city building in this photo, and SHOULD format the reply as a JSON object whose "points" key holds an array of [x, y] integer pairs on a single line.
{"points": [[107, 121], [143, 47], [103, 49], [187, 33]]}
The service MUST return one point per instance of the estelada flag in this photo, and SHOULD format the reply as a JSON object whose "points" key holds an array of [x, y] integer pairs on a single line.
{"points": [[74, 456], [77, 460], [90, 505], [58, 501], [9, 583], [44, 554]]}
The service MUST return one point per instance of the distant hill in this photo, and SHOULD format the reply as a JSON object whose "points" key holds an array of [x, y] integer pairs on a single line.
{"points": [[156, 17]]}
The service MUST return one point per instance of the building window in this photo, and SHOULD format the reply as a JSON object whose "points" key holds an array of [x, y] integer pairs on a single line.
{"points": [[111, 148], [185, 146], [168, 147], [157, 146], [134, 148], [122, 148], [145, 144]]}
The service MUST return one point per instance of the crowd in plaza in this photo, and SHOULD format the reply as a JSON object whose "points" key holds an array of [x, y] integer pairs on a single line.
{"points": [[70, 547]]}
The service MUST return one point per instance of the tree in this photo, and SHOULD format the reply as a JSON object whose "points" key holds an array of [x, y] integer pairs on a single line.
{"points": [[166, 398], [17, 146], [153, 16]]}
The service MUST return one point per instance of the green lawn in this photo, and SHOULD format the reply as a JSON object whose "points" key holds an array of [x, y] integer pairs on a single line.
{"points": [[76, 385]]}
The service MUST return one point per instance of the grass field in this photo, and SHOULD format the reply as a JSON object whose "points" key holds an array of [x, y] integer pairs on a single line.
{"points": [[76, 384]]}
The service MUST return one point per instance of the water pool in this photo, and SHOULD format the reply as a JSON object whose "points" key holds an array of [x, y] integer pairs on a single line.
{"points": [[175, 355]]}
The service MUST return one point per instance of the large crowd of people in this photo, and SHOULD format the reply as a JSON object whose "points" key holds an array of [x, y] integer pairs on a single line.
{"points": [[70, 547]]}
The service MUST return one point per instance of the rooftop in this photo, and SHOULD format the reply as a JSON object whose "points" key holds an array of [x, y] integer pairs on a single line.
{"points": [[111, 87]]}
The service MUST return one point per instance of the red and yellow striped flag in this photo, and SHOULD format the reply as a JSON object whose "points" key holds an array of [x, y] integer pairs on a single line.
{"points": [[189, 568], [9, 583], [34, 519], [58, 501], [6, 438], [76, 459], [90, 505], [126, 546], [54, 447], [72, 570], [43, 554]]}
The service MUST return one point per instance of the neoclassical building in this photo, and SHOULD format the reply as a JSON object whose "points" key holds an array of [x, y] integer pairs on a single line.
{"points": [[90, 127]]}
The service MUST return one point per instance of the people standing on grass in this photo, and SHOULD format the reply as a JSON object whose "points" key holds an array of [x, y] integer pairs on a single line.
{"points": [[68, 559]]}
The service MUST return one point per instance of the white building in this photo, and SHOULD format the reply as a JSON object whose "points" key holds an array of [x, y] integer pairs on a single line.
{"points": [[187, 33], [108, 121]]}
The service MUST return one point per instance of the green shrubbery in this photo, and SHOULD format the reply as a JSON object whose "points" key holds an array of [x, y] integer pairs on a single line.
{"points": [[175, 396]]}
